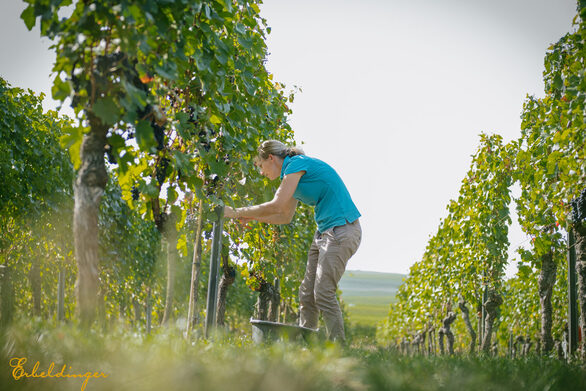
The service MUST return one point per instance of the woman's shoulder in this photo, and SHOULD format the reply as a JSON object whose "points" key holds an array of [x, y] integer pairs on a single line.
{"points": [[297, 159], [309, 160], [304, 158], [309, 164], [305, 161]]}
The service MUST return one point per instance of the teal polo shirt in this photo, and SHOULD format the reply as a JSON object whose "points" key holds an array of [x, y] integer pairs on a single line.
{"points": [[322, 188]]}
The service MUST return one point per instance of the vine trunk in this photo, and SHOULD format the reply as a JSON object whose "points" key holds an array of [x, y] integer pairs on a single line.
{"points": [[228, 278], [466, 317], [547, 278], [88, 190], [491, 305]]}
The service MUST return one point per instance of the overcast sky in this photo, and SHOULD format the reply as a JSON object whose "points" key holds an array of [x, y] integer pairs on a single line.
{"points": [[394, 96]]}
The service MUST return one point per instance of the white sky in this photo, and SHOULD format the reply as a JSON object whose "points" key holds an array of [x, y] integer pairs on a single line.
{"points": [[394, 95]]}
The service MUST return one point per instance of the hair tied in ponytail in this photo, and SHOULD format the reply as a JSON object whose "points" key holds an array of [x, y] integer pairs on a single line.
{"points": [[277, 148]]}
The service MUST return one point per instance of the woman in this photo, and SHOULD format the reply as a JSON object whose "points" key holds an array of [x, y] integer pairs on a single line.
{"points": [[338, 234]]}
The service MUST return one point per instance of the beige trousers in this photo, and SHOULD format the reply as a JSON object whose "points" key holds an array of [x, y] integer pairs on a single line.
{"points": [[326, 262]]}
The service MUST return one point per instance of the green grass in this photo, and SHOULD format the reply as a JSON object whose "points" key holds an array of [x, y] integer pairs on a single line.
{"points": [[166, 361], [367, 295]]}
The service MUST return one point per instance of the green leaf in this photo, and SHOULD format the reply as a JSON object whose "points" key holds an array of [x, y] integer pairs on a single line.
{"points": [[182, 161], [215, 119], [195, 183], [71, 140], [240, 28], [107, 110], [182, 245], [217, 167], [116, 141], [227, 4], [150, 190], [168, 71], [182, 117], [145, 137], [558, 82], [28, 16], [245, 42], [136, 13], [136, 95], [171, 195], [61, 89], [222, 57]]}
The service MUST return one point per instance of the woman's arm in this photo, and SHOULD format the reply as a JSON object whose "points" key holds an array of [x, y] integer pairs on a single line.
{"points": [[279, 210]]}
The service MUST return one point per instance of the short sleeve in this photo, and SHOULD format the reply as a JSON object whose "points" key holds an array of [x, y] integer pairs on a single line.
{"points": [[295, 165]]}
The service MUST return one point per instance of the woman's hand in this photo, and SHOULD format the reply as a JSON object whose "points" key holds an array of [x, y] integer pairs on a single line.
{"points": [[229, 212]]}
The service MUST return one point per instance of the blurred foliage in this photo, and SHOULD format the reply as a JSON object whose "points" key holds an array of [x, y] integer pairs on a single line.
{"points": [[36, 173], [164, 361], [35, 197]]}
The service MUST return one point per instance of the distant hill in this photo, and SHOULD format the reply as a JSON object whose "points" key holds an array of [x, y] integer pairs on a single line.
{"points": [[367, 295]]}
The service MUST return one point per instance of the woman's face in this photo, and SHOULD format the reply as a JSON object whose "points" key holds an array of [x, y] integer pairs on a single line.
{"points": [[270, 167]]}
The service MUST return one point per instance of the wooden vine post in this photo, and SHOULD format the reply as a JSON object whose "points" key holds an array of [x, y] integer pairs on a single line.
{"points": [[572, 296], [578, 253], [210, 322], [61, 296]]}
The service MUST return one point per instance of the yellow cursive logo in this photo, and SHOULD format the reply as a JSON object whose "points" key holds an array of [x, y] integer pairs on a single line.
{"points": [[19, 372]]}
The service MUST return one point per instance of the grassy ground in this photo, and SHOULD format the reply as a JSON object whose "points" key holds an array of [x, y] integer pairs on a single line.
{"points": [[368, 294], [166, 361]]}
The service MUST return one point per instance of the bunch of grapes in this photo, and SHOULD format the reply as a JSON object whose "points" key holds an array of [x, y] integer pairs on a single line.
{"points": [[191, 220], [107, 63], [579, 208], [135, 193], [230, 274], [144, 112], [109, 153], [161, 170], [256, 282], [203, 139], [159, 132], [212, 184], [192, 115]]}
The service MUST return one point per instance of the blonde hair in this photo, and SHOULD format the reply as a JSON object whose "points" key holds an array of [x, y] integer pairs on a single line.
{"points": [[277, 148]]}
